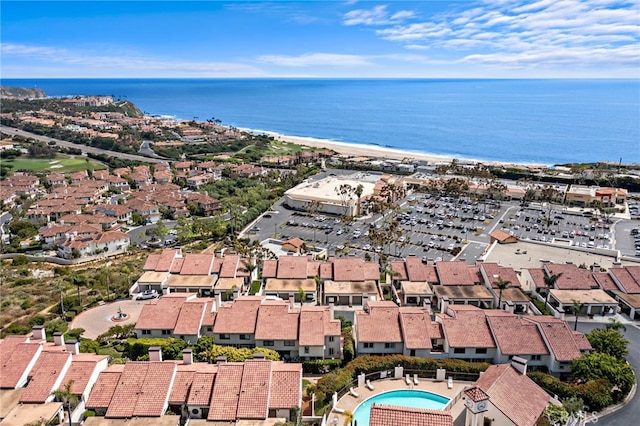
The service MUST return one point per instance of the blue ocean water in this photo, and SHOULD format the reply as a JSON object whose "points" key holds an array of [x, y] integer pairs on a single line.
{"points": [[521, 121]]}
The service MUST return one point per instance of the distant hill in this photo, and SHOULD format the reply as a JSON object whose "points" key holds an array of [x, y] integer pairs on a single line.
{"points": [[21, 93]]}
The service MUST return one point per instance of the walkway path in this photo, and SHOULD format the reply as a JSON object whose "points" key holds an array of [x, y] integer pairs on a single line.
{"points": [[96, 321]]}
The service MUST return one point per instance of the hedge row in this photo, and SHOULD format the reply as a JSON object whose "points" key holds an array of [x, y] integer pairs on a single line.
{"points": [[596, 394], [320, 366], [341, 378]]}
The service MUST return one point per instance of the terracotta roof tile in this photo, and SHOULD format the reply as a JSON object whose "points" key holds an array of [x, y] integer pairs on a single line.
{"points": [[201, 388], [605, 281], [493, 271], [368, 327], [515, 336], [627, 277], [276, 322], [226, 391], [269, 268], [160, 314], [80, 372], [476, 394], [454, 273], [15, 358], [45, 373], [143, 390], [558, 336], [292, 267], [197, 264], [238, 317], [385, 415], [253, 402], [415, 324], [468, 329], [286, 389], [190, 317], [354, 269], [514, 394], [181, 386], [573, 278], [176, 266], [399, 269], [102, 391]]}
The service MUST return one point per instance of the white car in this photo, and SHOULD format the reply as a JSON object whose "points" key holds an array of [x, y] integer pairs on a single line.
{"points": [[147, 294]]}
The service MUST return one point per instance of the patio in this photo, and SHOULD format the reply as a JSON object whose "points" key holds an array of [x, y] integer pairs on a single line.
{"points": [[348, 402]]}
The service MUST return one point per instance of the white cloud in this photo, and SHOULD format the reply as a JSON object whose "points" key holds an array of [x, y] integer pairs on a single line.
{"points": [[376, 16], [316, 59], [544, 33]]}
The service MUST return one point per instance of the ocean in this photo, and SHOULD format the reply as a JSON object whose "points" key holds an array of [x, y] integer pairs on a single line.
{"points": [[520, 121]]}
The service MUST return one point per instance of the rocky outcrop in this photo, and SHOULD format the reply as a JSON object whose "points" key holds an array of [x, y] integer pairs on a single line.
{"points": [[21, 93]]}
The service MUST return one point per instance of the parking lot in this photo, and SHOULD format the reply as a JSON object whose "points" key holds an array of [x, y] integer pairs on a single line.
{"points": [[443, 228]]}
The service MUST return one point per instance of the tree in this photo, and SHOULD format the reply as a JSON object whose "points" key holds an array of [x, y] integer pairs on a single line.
{"points": [[358, 191], [501, 284], [614, 324], [598, 365], [345, 192], [576, 308], [550, 282], [610, 342], [159, 231], [69, 399]]}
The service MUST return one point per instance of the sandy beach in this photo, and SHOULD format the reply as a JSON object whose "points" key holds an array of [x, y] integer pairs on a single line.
{"points": [[358, 150]]}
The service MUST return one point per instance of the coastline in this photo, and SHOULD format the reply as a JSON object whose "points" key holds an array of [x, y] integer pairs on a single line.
{"points": [[359, 150]]}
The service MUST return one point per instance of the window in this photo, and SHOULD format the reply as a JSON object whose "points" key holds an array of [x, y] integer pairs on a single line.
{"points": [[458, 350], [289, 342], [481, 350], [368, 345], [306, 349], [146, 332], [166, 332], [209, 329], [332, 338], [389, 345], [331, 351], [536, 357], [267, 342], [244, 337], [225, 337]]}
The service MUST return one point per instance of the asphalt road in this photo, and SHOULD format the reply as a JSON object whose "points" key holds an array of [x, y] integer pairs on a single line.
{"points": [[138, 235], [83, 148], [630, 413]]}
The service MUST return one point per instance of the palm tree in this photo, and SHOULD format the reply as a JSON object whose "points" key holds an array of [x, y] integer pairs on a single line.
{"points": [[68, 398], [358, 191], [576, 308], [614, 324], [550, 282], [501, 284]]}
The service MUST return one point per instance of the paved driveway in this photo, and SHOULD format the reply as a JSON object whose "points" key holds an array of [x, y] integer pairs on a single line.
{"points": [[96, 321]]}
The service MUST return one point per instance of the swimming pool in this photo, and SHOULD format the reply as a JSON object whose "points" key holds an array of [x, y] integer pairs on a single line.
{"points": [[403, 398]]}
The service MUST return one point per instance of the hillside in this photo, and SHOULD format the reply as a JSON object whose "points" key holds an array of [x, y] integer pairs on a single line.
{"points": [[7, 92]]}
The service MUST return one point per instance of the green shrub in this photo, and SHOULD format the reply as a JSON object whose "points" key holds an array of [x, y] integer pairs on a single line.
{"points": [[20, 259], [320, 366], [18, 329]]}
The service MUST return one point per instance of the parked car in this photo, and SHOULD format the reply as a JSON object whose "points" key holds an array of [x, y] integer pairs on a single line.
{"points": [[147, 294]]}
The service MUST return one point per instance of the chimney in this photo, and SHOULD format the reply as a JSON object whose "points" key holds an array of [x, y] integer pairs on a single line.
{"points": [[73, 347], [39, 334], [236, 293], [219, 299], [221, 360], [58, 338], [155, 354], [559, 313], [509, 306], [332, 308], [292, 300], [258, 355], [426, 305], [187, 357], [444, 304], [365, 302], [519, 364]]}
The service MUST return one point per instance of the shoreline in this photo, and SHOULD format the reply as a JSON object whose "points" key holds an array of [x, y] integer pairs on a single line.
{"points": [[361, 150]]}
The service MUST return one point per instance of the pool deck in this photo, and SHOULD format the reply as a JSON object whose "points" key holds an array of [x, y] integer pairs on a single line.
{"points": [[349, 402]]}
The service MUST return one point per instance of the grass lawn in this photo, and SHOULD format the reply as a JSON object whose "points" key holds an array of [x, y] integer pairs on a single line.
{"points": [[59, 164]]}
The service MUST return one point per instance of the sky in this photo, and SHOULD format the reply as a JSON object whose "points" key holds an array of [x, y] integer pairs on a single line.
{"points": [[320, 39]]}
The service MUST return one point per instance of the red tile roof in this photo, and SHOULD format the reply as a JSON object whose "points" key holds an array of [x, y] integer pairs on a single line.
{"points": [[80, 371], [559, 337], [201, 388], [160, 314], [605, 281], [239, 316], [269, 268], [286, 389], [628, 277], [538, 274], [493, 271], [190, 317], [102, 391], [514, 394], [454, 273], [368, 324], [276, 322], [354, 269], [399, 269], [197, 264], [573, 278], [311, 334], [515, 336], [253, 402], [476, 394], [46, 372], [143, 390], [15, 358], [181, 386], [226, 391], [415, 324], [292, 267], [385, 415], [468, 329]]}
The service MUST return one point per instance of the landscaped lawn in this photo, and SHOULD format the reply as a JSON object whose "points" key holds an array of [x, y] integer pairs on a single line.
{"points": [[59, 164]]}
